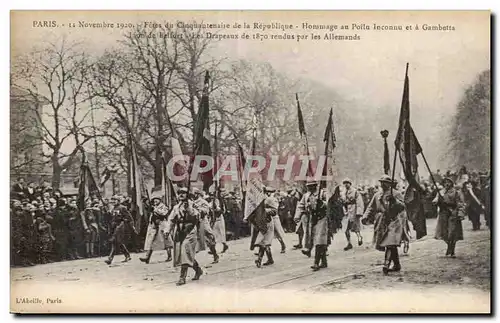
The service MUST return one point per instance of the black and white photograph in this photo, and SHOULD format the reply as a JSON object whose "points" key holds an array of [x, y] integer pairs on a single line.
{"points": [[250, 162]]}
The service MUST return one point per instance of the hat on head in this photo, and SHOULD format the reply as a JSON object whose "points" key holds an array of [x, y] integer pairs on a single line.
{"points": [[182, 190], [156, 193], [447, 179], [311, 184], [269, 189], [386, 179], [196, 190], [347, 180]]}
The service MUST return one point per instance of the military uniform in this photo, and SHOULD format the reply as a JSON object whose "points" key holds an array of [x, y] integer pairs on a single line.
{"points": [[266, 234], [314, 209], [183, 224], [353, 204], [205, 232], [390, 227], [121, 219], [272, 203], [451, 213], [219, 225], [157, 237]]}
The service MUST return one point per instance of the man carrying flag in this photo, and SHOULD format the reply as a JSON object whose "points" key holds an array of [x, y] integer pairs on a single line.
{"points": [[408, 148], [298, 218], [202, 135], [156, 238]]}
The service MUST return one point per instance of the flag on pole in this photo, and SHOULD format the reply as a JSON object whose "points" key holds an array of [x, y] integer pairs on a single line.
{"points": [[303, 135], [137, 186], [180, 166], [170, 196], [87, 187], [408, 148], [254, 211], [202, 133], [329, 168]]}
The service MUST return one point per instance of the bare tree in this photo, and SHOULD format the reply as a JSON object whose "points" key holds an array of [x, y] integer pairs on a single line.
{"points": [[56, 77]]}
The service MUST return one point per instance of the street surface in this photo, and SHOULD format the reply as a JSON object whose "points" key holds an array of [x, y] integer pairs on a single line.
{"points": [[353, 281]]}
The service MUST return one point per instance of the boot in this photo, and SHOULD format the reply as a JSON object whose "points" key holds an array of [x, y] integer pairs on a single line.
{"points": [[224, 248], [125, 253], [258, 261], [452, 249], [111, 255], [317, 255], [197, 271], [307, 252], [109, 260], [269, 255], [448, 249], [75, 252], [214, 252], [87, 250], [395, 260], [91, 246], [182, 278], [348, 247], [387, 261], [297, 246], [324, 263], [148, 257], [283, 247], [360, 240], [169, 254]]}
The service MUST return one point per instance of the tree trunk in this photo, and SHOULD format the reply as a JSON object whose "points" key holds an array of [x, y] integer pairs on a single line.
{"points": [[56, 171]]}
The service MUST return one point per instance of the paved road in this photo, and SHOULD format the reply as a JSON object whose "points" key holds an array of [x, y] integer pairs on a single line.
{"points": [[232, 284]]}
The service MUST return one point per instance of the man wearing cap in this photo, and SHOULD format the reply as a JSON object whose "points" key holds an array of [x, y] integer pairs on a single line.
{"points": [[121, 218], [218, 225], [272, 203], [451, 213], [305, 209], [388, 208], [206, 234], [234, 214], [156, 239], [353, 206], [182, 224], [266, 234]]}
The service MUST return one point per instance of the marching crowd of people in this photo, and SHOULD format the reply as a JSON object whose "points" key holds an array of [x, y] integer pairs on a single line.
{"points": [[47, 226]]}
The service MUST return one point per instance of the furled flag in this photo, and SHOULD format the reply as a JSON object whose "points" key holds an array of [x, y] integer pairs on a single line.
{"points": [[170, 195], [254, 211], [329, 168], [408, 148], [303, 135], [87, 187], [136, 187], [202, 133]]}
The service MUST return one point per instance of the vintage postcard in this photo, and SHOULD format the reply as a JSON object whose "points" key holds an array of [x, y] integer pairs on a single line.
{"points": [[250, 162]]}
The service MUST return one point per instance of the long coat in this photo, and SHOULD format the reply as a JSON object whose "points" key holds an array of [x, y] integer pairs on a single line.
{"points": [[354, 207], [391, 224], [273, 204], [271, 209], [219, 225], [182, 224], [156, 235], [314, 220], [121, 219], [206, 235], [451, 214]]}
